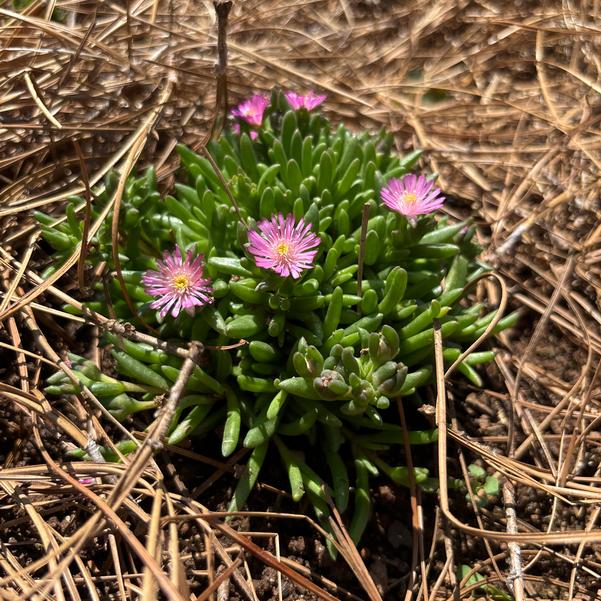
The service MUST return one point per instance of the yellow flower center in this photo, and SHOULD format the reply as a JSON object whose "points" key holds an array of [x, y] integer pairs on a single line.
{"points": [[282, 249], [410, 197], [181, 282]]}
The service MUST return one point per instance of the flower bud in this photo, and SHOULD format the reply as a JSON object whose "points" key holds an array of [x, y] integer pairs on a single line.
{"points": [[351, 408], [366, 395], [383, 402], [331, 386]]}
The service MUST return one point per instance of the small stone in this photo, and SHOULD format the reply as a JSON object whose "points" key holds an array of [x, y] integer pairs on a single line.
{"points": [[297, 545], [287, 588], [387, 494], [379, 573], [320, 552], [399, 535], [427, 410]]}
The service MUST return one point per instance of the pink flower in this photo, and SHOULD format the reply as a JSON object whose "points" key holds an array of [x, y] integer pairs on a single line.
{"points": [[253, 134], [283, 245], [411, 196], [308, 101], [252, 110], [178, 284]]}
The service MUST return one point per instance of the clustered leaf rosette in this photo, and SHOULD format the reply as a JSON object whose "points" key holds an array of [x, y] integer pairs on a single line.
{"points": [[323, 355]]}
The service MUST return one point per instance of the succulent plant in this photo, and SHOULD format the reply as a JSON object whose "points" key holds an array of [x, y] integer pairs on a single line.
{"points": [[329, 344]]}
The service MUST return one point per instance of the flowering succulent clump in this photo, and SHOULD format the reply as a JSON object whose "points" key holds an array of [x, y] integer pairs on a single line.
{"points": [[312, 350]]}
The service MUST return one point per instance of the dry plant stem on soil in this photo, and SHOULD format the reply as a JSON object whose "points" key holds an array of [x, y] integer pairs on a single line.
{"points": [[348, 550], [416, 516], [136, 467], [515, 577]]}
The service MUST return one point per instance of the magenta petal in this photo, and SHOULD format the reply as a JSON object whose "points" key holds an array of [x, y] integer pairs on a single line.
{"points": [[252, 110], [308, 101]]}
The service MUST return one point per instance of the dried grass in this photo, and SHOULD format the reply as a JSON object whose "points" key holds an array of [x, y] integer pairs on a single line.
{"points": [[505, 99]]}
